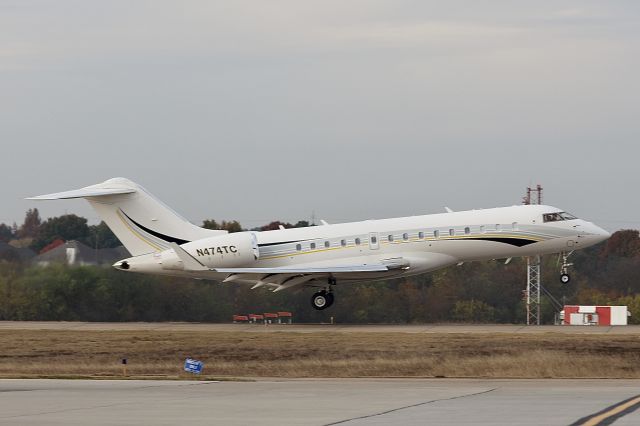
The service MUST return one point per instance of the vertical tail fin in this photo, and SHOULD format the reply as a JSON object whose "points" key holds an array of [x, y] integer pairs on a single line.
{"points": [[142, 222]]}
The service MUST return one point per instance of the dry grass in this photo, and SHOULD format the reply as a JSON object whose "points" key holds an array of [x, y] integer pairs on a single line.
{"points": [[288, 354]]}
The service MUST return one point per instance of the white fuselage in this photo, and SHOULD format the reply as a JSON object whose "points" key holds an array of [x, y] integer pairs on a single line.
{"points": [[418, 244], [162, 242]]}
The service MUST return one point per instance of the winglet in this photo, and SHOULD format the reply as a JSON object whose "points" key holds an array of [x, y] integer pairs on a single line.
{"points": [[189, 262], [448, 209]]}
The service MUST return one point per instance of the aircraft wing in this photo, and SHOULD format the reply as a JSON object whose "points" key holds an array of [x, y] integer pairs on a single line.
{"points": [[306, 270], [285, 277], [289, 277]]}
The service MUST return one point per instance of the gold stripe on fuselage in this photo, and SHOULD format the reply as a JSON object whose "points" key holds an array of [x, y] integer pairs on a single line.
{"points": [[137, 234]]}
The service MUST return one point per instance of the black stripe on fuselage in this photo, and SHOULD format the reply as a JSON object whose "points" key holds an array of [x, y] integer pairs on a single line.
{"points": [[280, 242], [518, 242], [163, 237]]}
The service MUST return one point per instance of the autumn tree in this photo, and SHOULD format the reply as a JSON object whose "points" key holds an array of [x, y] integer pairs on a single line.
{"points": [[275, 225], [31, 225], [624, 243], [230, 226]]}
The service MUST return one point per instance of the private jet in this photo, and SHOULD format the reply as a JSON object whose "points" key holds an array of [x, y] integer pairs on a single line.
{"points": [[160, 241]]}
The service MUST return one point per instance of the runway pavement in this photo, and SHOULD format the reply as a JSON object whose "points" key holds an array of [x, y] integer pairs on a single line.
{"points": [[314, 328], [318, 402]]}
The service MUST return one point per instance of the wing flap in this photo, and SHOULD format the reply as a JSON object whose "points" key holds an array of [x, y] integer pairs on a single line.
{"points": [[305, 270]]}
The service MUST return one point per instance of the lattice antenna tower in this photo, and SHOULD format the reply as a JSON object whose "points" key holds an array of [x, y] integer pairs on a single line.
{"points": [[534, 195], [534, 282]]}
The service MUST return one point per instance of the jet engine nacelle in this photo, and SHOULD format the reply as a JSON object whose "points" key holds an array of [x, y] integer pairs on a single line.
{"points": [[225, 251]]}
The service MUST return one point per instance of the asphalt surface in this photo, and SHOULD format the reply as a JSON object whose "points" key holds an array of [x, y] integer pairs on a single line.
{"points": [[316, 402], [313, 328]]}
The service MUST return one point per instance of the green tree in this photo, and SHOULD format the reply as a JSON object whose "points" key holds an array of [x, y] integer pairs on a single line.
{"points": [[66, 227], [473, 311], [101, 236], [6, 233]]}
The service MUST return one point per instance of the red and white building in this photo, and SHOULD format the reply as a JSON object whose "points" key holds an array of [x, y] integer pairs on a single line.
{"points": [[594, 315]]}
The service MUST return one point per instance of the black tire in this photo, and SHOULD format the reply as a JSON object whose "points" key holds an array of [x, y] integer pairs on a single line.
{"points": [[330, 299], [565, 278], [320, 300]]}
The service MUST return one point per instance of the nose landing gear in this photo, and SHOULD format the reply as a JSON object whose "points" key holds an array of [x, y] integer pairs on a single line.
{"points": [[324, 298], [564, 268]]}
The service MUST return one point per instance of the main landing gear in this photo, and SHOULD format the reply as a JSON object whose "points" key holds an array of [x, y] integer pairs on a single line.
{"points": [[323, 298], [564, 268]]}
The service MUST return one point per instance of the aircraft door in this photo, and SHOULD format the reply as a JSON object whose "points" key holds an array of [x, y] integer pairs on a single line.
{"points": [[374, 243]]}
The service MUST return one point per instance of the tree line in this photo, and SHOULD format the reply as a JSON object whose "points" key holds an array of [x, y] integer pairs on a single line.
{"points": [[36, 234], [483, 292]]}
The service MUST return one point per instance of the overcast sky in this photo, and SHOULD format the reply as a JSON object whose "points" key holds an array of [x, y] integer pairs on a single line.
{"points": [[264, 110]]}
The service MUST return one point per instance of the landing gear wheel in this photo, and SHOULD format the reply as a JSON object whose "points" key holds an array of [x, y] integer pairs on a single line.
{"points": [[329, 299], [322, 300], [565, 278]]}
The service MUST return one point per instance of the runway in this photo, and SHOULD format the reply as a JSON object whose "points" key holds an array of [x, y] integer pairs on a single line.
{"points": [[317, 402], [316, 328]]}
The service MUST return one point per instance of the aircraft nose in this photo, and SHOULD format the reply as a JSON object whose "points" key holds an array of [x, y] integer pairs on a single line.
{"points": [[596, 233], [603, 234]]}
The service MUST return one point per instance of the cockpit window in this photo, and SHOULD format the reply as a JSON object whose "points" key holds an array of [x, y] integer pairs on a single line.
{"points": [[557, 217], [567, 216]]}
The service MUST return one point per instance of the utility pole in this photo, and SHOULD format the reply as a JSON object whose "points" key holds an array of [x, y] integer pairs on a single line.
{"points": [[532, 292]]}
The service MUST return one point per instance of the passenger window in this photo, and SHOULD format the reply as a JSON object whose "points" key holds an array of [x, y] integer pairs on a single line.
{"points": [[405, 236], [313, 246], [467, 231], [514, 226], [452, 232], [298, 247], [482, 229], [327, 244], [421, 235], [497, 227], [343, 243], [436, 234], [357, 241], [374, 240], [390, 238]]}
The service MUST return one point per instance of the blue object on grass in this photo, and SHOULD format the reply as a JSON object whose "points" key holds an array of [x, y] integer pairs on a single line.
{"points": [[193, 366]]}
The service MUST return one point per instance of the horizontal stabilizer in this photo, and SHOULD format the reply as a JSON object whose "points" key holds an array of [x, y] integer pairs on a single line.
{"points": [[305, 270], [82, 193]]}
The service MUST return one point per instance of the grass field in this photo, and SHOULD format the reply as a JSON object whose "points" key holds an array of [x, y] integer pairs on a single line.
{"points": [[68, 353]]}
